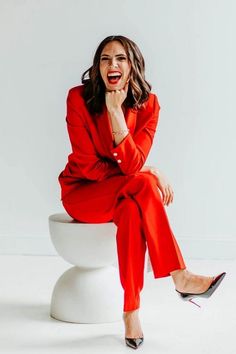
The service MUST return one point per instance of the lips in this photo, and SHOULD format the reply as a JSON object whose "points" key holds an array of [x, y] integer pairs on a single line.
{"points": [[113, 72], [113, 77]]}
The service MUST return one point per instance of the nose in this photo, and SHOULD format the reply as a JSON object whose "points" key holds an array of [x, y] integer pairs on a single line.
{"points": [[113, 63]]}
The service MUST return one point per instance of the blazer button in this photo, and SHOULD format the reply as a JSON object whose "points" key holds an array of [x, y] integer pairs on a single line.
{"points": [[119, 161], [115, 154]]}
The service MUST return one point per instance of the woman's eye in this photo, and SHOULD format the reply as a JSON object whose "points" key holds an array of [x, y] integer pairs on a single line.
{"points": [[120, 58]]}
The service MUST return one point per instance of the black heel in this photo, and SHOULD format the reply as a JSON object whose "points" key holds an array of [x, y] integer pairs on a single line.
{"points": [[213, 286]]}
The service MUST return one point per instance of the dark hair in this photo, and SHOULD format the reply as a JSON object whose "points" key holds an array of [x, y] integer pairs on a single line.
{"points": [[94, 87]]}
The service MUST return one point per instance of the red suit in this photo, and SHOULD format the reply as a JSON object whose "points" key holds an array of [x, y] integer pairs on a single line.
{"points": [[102, 182]]}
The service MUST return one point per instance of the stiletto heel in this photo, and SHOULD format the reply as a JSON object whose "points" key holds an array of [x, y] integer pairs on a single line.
{"points": [[190, 300], [213, 286]]}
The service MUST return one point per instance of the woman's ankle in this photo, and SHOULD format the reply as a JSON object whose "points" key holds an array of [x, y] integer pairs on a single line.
{"points": [[179, 275], [132, 312]]}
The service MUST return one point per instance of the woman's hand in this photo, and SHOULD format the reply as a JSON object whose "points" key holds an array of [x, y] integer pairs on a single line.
{"points": [[114, 99], [162, 184]]}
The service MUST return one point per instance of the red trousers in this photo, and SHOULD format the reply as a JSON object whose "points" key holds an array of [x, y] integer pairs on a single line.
{"points": [[134, 204]]}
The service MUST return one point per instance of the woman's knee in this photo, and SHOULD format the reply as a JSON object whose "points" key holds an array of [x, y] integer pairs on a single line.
{"points": [[147, 183], [145, 179]]}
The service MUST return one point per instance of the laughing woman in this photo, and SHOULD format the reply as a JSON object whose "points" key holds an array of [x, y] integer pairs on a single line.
{"points": [[111, 120]]}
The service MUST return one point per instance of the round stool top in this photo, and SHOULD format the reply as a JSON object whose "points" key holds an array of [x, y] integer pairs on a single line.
{"points": [[93, 244]]}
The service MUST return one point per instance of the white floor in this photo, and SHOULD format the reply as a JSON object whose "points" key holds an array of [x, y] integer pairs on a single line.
{"points": [[170, 325]]}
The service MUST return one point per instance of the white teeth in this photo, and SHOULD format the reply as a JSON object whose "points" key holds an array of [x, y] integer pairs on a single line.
{"points": [[114, 74]]}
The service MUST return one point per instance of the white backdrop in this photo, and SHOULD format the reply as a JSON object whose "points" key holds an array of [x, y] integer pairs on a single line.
{"points": [[189, 49]]}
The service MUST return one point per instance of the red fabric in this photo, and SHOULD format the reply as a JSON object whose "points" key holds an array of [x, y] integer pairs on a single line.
{"points": [[97, 188], [92, 142]]}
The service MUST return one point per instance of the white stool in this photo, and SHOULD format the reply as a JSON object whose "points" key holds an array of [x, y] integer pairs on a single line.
{"points": [[89, 292]]}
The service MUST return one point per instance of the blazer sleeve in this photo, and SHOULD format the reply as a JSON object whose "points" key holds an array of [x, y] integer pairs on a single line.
{"points": [[131, 153], [84, 162]]}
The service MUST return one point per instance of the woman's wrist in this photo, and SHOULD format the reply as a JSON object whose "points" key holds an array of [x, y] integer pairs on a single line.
{"points": [[115, 110], [118, 123], [155, 171], [120, 132]]}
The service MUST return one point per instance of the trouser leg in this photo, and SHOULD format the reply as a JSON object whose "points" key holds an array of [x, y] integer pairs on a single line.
{"points": [[165, 255], [131, 248]]}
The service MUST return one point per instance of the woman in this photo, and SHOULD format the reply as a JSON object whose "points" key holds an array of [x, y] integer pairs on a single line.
{"points": [[111, 120]]}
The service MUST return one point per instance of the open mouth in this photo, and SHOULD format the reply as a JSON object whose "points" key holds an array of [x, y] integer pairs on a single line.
{"points": [[114, 78]]}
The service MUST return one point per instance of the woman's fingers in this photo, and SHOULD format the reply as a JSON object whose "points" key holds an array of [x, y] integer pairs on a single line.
{"points": [[172, 196], [163, 185], [164, 194], [168, 195], [115, 98]]}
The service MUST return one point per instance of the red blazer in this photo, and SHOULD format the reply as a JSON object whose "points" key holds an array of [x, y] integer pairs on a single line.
{"points": [[94, 155]]}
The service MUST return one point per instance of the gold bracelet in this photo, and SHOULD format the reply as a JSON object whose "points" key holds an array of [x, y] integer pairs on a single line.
{"points": [[120, 131]]}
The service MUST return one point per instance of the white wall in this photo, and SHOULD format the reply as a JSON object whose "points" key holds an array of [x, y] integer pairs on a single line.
{"points": [[190, 57]]}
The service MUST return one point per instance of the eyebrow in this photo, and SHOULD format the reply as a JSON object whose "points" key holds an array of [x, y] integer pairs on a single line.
{"points": [[117, 55]]}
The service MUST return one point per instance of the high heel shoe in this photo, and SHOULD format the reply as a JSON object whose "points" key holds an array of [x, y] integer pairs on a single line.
{"points": [[134, 342], [213, 286]]}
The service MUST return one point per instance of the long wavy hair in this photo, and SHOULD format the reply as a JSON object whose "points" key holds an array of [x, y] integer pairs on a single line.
{"points": [[94, 87]]}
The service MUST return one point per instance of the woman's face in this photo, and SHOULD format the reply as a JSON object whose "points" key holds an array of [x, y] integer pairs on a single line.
{"points": [[114, 66]]}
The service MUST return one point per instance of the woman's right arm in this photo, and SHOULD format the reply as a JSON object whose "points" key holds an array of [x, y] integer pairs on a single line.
{"points": [[84, 162]]}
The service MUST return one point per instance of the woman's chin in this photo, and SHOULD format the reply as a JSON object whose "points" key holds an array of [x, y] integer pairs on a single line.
{"points": [[114, 87]]}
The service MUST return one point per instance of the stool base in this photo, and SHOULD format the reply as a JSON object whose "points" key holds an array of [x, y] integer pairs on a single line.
{"points": [[88, 295]]}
